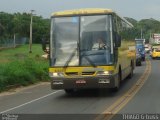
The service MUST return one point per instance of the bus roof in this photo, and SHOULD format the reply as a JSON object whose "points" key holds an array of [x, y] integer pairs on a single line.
{"points": [[83, 12], [86, 11]]}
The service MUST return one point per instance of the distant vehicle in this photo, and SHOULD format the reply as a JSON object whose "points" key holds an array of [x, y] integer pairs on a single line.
{"points": [[155, 53], [147, 49], [138, 59], [140, 47]]}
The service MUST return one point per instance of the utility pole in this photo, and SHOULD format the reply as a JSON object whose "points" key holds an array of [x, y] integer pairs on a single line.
{"points": [[30, 40], [14, 41], [141, 34]]}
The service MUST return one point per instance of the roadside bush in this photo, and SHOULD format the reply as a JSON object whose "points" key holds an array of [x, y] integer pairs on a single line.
{"points": [[23, 72], [3, 79]]}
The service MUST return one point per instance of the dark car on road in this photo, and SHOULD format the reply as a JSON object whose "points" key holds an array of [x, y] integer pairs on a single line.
{"points": [[138, 58]]}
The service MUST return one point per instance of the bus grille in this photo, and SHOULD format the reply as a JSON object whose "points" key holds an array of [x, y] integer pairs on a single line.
{"points": [[71, 73], [76, 73], [88, 73]]}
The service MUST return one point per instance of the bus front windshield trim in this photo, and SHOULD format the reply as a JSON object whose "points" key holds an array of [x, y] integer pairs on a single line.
{"points": [[65, 37], [95, 42], [81, 41]]}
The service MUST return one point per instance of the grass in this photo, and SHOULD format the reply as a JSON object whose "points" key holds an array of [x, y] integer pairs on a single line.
{"points": [[21, 52], [19, 67]]}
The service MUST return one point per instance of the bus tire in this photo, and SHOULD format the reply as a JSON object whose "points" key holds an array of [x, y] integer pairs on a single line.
{"points": [[131, 72], [116, 89]]}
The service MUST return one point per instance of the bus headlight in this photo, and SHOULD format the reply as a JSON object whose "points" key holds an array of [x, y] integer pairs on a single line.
{"points": [[104, 72], [57, 74]]}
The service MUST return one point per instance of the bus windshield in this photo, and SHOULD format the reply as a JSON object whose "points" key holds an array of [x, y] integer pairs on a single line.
{"points": [[81, 41]]}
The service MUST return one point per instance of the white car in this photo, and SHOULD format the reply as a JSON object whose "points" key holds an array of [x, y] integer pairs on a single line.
{"points": [[147, 49]]}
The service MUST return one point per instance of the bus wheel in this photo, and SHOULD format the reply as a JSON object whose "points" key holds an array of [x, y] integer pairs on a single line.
{"points": [[115, 89], [131, 73], [69, 91]]}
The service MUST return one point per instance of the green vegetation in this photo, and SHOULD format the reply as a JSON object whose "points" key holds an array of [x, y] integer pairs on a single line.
{"points": [[19, 24], [19, 67], [147, 26]]}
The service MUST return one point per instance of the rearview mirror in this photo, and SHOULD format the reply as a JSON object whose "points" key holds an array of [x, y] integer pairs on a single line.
{"points": [[118, 41], [44, 46]]}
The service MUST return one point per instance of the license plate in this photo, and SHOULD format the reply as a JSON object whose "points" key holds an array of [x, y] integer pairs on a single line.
{"points": [[80, 82]]}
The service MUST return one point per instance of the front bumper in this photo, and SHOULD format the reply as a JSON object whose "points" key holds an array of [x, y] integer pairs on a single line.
{"points": [[84, 82]]}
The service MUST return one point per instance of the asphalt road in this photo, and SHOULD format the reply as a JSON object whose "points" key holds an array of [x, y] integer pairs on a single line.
{"points": [[40, 99], [147, 100]]}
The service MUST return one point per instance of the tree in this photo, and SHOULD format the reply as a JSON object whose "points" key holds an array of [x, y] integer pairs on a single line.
{"points": [[19, 24]]}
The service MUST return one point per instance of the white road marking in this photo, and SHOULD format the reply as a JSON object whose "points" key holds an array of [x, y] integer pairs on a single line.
{"points": [[30, 102]]}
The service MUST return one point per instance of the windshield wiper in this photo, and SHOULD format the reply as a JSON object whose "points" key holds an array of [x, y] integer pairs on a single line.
{"points": [[73, 54], [70, 58]]}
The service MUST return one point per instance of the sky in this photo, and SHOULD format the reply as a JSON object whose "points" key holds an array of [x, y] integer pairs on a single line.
{"points": [[136, 9]]}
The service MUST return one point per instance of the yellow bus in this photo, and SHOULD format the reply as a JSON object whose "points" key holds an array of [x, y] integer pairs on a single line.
{"points": [[88, 51]]}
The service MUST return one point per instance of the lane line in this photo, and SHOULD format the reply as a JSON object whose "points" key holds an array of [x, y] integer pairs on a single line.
{"points": [[30, 102], [122, 101]]}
